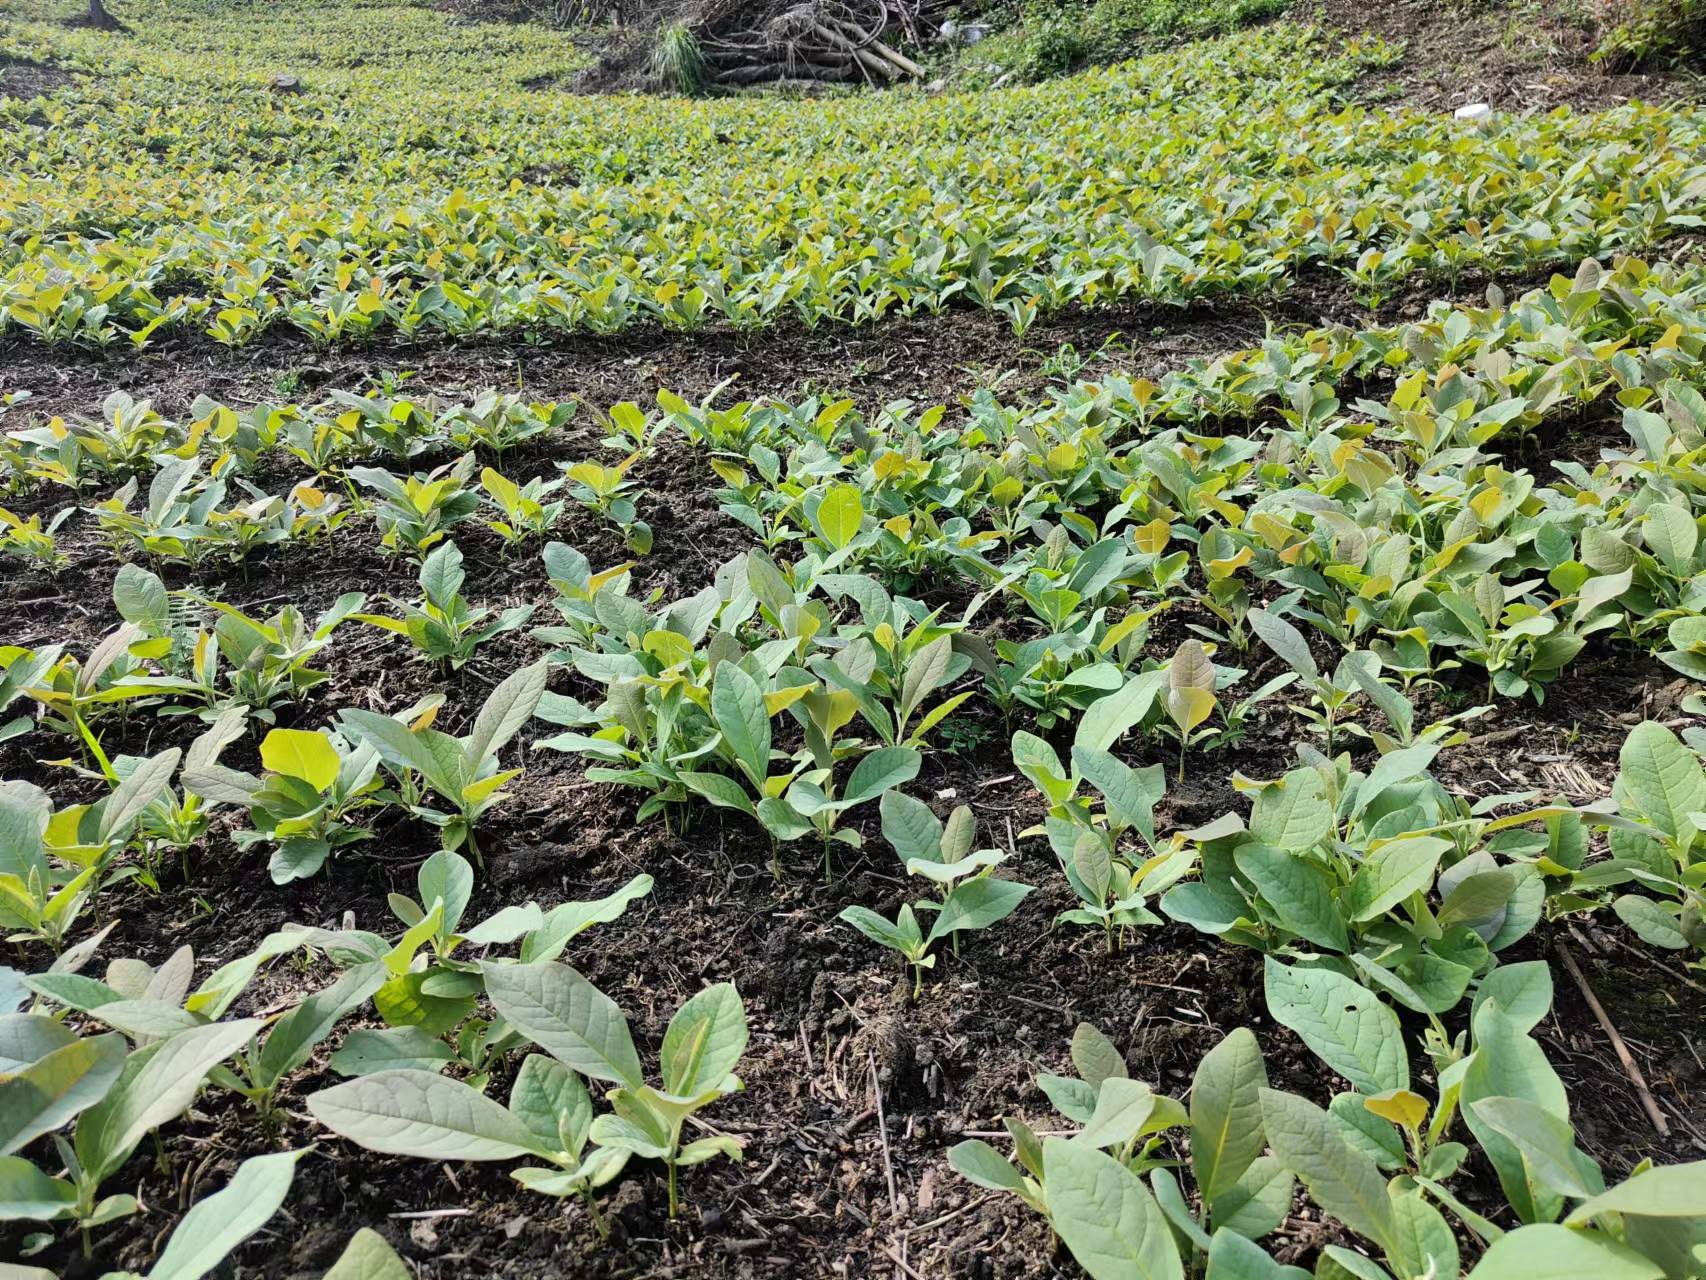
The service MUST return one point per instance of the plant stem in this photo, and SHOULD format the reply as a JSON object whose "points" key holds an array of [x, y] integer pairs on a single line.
{"points": [[672, 1199], [600, 1223], [474, 848]]}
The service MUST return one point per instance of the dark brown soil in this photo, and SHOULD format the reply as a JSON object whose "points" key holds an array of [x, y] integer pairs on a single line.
{"points": [[926, 359], [22, 79], [1514, 55]]}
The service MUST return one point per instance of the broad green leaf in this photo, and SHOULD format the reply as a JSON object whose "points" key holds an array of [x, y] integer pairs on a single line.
{"points": [[422, 1114], [737, 705], [1235, 1257], [1297, 890], [552, 1102], [1658, 924], [720, 790], [1662, 778], [977, 904], [705, 1041], [28, 1193], [1105, 1215], [982, 1164], [1258, 1202], [57, 1086], [446, 877], [1123, 1107], [506, 710], [217, 1225], [1341, 1021], [926, 672], [294, 1036], [1546, 1142], [369, 1257], [1109, 718], [1369, 1133], [29, 1037], [157, 1084], [398, 743], [1293, 813], [1094, 1056], [563, 924], [1226, 1113], [1550, 1252], [910, 827], [1507, 1063], [1523, 992], [839, 515], [146, 783], [140, 597], [1344, 1182], [884, 768], [1422, 1243], [565, 1015], [1391, 874], [1664, 1191], [877, 929], [1285, 640], [366, 1051]]}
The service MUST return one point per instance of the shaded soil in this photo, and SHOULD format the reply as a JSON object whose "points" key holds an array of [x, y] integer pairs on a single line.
{"points": [[22, 79], [1514, 55], [927, 359]]}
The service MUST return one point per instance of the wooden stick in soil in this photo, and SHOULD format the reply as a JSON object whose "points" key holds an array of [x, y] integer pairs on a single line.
{"points": [[883, 1130], [1630, 1068], [900, 1262]]}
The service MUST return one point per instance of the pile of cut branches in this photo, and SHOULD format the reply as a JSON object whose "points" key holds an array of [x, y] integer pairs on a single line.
{"points": [[807, 42]]}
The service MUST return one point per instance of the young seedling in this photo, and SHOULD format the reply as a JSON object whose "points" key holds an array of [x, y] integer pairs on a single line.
{"points": [[315, 781], [462, 772], [442, 625], [973, 899], [564, 1014]]}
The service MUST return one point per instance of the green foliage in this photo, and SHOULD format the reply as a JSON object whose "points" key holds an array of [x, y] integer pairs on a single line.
{"points": [[315, 782], [1122, 1213], [461, 773], [550, 1114], [678, 64], [972, 899], [1636, 33], [346, 216], [1052, 37], [442, 625]]}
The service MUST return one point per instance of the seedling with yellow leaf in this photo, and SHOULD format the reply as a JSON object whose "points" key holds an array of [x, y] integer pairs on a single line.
{"points": [[608, 491], [315, 781], [1190, 698], [418, 511], [525, 513], [463, 773], [32, 540], [445, 627]]}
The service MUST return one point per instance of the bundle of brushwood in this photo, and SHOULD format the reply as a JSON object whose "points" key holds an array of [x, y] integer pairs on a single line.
{"points": [[806, 42]]}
